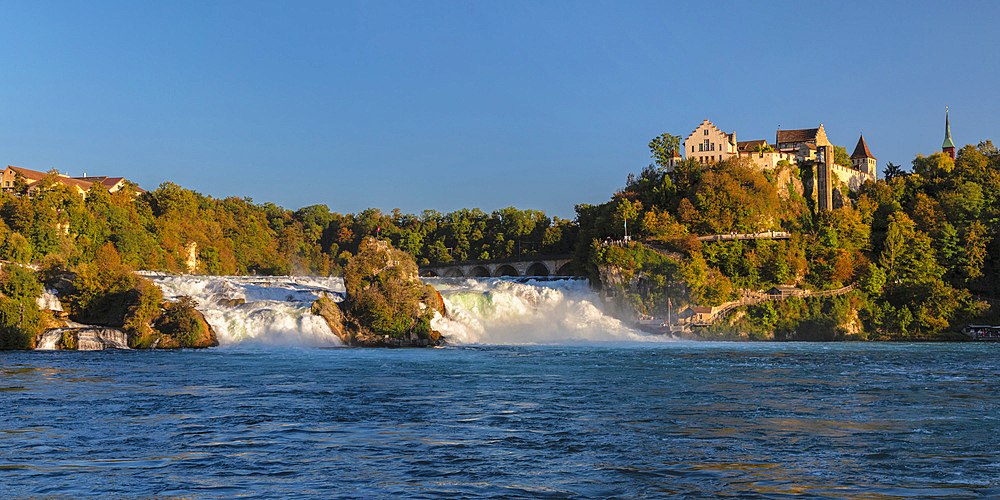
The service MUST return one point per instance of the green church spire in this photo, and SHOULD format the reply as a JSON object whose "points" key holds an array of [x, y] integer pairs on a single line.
{"points": [[947, 133]]}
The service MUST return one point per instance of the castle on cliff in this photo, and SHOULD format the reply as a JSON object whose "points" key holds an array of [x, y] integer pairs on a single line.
{"points": [[708, 144]]}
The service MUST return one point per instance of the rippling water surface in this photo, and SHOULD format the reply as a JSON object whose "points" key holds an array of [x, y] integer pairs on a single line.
{"points": [[623, 420]]}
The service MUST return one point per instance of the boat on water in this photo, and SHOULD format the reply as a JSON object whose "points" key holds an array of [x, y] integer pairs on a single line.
{"points": [[982, 332]]}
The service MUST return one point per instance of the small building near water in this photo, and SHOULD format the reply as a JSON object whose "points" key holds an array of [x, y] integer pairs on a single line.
{"points": [[697, 314]]}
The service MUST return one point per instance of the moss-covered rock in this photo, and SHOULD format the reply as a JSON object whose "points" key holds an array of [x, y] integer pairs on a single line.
{"points": [[386, 304], [181, 325]]}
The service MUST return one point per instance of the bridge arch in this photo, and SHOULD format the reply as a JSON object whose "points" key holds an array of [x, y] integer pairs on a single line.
{"points": [[505, 270], [479, 272], [537, 269], [428, 273], [565, 270], [454, 272]]}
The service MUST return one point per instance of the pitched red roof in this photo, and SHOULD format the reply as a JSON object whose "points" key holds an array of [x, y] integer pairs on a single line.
{"points": [[800, 135], [749, 146], [30, 175], [861, 150], [33, 176], [110, 182]]}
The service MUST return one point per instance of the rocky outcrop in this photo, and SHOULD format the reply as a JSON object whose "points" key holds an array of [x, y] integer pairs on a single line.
{"points": [[330, 311], [182, 326], [386, 304]]}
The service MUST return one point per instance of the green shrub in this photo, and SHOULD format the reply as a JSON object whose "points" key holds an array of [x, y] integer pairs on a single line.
{"points": [[19, 283], [181, 321], [20, 323]]}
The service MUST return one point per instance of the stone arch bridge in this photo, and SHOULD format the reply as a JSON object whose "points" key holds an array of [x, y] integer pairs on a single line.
{"points": [[544, 265]]}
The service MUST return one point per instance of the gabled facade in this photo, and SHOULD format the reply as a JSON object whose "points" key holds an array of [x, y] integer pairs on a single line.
{"points": [[803, 143], [708, 144]]}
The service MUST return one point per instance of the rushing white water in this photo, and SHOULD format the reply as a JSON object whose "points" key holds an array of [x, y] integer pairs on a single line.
{"points": [[274, 310], [88, 337], [499, 311], [49, 299], [480, 310], [49, 340]]}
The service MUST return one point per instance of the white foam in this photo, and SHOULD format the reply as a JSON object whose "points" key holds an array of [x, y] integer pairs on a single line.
{"points": [[274, 310], [497, 311]]}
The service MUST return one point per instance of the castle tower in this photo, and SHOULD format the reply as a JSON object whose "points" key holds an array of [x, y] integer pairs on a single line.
{"points": [[862, 158], [948, 147]]}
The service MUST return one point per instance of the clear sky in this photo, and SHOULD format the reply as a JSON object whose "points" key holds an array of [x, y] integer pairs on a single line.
{"points": [[448, 105]]}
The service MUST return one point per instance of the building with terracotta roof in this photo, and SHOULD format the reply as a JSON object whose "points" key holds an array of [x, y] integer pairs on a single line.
{"points": [[750, 146], [803, 143], [34, 178], [112, 184]]}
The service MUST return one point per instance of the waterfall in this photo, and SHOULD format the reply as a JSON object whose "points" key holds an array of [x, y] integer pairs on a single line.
{"points": [[50, 340], [499, 311], [272, 309], [49, 299], [97, 338], [480, 310]]}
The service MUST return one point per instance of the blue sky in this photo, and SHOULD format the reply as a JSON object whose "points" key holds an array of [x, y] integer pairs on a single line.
{"points": [[448, 105]]}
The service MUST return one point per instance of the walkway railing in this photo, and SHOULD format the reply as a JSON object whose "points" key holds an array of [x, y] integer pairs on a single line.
{"points": [[765, 235], [750, 298]]}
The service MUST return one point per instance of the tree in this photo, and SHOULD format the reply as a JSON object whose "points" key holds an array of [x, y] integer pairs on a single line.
{"points": [[873, 281], [20, 184], [663, 148], [840, 156], [19, 283], [933, 167], [892, 171], [892, 248]]}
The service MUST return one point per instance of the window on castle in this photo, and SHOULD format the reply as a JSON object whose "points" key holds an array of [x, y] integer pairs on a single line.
{"points": [[706, 131], [701, 147], [713, 146]]}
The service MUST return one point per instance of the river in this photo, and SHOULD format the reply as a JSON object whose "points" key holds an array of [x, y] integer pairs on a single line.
{"points": [[570, 405]]}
